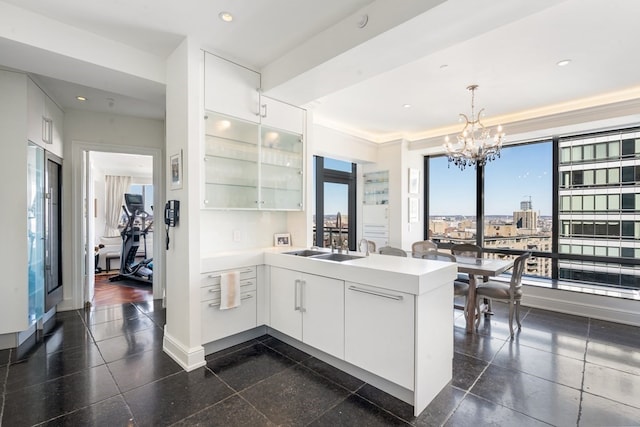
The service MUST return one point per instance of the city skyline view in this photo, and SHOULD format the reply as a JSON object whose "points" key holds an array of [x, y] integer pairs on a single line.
{"points": [[520, 174]]}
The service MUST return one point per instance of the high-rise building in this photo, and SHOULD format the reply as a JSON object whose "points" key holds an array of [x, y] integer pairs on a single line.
{"points": [[599, 207], [526, 219]]}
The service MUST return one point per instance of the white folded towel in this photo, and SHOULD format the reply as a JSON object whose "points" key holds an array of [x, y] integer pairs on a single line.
{"points": [[229, 290]]}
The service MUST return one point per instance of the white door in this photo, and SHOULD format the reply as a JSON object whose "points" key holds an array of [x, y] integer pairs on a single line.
{"points": [[88, 228]]}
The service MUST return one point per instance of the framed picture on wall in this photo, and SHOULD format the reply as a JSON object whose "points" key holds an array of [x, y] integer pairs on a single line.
{"points": [[414, 209], [175, 166], [414, 181]]}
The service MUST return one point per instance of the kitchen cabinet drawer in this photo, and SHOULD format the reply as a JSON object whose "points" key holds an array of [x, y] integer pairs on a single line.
{"points": [[213, 277], [217, 324], [213, 292]]}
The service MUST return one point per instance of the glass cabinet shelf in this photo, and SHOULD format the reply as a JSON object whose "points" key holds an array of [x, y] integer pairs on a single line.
{"points": [[250, 166], [376, 188]]}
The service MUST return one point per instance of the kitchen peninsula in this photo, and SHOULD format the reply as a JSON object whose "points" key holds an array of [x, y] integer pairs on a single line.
{"points": [[386, 320]]}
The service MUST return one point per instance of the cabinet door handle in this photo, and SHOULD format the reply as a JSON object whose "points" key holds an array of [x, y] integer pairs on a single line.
{"points": [[264, 110], [378, 294], [296, 306], [303, 295], [246, 270]]}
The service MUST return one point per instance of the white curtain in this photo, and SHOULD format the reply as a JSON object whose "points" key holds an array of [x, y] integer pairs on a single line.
{"points": [[116, 186]]}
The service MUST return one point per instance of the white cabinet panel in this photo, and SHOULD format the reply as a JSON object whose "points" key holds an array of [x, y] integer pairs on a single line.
{"points": [[285, 302], [216, 323], [379, 332], [280, 115], [45, 120], [309, 308], [231, 88]]}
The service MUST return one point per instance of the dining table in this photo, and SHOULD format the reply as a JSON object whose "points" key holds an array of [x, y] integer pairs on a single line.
{"points": [[485, 267]]}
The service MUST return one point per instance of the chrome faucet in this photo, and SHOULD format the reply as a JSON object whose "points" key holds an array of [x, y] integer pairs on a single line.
{"points": [[366, 245]]}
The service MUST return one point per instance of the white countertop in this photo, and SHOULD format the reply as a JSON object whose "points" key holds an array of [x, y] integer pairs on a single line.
{"points": [[410, 275]]}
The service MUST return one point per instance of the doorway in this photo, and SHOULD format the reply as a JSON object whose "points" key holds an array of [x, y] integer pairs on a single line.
{"points": [[108, 176]]}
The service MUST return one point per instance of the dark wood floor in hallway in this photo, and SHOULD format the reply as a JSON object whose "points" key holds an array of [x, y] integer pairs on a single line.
{"points": [[110, 293]]}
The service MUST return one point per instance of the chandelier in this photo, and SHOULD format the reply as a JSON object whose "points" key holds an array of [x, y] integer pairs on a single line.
{"points": [[475, 145]]}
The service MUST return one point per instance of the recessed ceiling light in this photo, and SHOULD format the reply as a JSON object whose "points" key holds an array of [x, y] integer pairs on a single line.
{"points": [[563, 62], [81, 98], [225, 16], [443, 66], [406, 106]]}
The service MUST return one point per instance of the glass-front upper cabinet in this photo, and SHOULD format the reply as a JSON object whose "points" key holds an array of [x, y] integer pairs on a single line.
{"points": [[231, 163], [281, 169], [248, 166]]}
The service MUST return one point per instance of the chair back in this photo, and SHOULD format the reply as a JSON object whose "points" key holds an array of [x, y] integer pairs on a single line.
{"points": [[518, 269], [372, 246], [418, 249], [389, 250], [467, 250]]}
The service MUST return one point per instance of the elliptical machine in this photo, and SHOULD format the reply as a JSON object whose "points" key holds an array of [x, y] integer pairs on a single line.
{"points": [[137, 226]]}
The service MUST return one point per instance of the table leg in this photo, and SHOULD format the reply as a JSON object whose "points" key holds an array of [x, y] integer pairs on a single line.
{"points": [[471, 305]]}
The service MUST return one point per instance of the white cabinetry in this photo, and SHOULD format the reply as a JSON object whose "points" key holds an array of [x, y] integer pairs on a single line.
{"points": [[308, 308], [216, 323], [231, 89], [254, 149], [280, 115], [44, 120], [379, 332]]}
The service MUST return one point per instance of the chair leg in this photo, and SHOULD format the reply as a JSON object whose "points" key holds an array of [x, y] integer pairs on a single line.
{"points": [[466, 302], [518, 314], [477, 312], [511, 318]]}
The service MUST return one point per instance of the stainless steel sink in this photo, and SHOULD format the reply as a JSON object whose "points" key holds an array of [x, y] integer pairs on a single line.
{"points": [[305, 252], [336, 257]]}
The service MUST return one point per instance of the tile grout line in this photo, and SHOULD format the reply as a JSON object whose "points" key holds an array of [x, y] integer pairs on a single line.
{"points": [[584, 369]]}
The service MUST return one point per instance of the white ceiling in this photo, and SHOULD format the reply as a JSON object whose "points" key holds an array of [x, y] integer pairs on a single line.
{"points": [[120, 164], [358, 80]]}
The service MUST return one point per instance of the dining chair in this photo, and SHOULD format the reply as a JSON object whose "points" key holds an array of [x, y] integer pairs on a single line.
{"points": [[472, 251], [511, 291], [418, 249], [389, 250]]}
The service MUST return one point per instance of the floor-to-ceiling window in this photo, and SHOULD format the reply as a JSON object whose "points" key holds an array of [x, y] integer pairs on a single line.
{"points": [[335, 213], [573, 202]]}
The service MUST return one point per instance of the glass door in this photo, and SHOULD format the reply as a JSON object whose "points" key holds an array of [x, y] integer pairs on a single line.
{"points": [[35, 231], [280, 169], [231, 163], [335, 218]]}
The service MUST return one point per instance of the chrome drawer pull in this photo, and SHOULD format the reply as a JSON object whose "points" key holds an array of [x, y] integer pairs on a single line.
{"points": [[242, 298], [378, 294], [213, 276]]}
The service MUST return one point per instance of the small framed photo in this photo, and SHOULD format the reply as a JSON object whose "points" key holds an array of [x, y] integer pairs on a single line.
{"points": [[414, 181], [282, 239], [175, 166], [414, 209]]}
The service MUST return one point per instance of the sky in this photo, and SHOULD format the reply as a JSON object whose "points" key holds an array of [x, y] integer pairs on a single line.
{"points": [[522, 172]]}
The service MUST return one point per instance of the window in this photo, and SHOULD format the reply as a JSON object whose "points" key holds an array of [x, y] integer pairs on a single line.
{"points": [[335, 185], [577, 178], [628, 174], [450, 222], [628, 148], [601, 151], [628, 201]]}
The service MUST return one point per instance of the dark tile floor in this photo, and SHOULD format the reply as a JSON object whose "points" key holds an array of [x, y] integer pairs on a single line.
{"points": [[106, 367]]}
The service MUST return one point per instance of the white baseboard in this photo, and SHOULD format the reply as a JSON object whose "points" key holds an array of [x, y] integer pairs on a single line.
{"points": [[188, 358], [612, 309]]}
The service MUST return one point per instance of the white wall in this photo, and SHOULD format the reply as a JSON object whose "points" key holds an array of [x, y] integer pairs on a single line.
{"points": [[13, 175]]}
